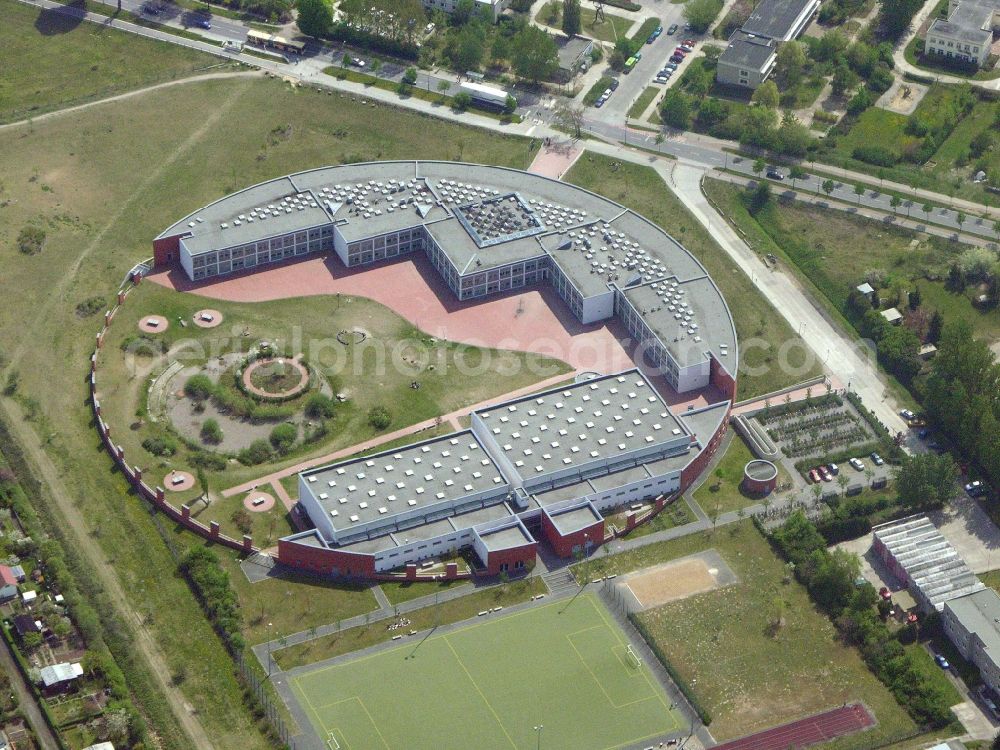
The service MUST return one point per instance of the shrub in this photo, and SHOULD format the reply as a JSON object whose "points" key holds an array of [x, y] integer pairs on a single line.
{"points": [[163, 445], [877, 155], [320, 406], [207, 460], [258, 452], [89, 307], [211, 432], [379, 417], [201, 567], [241, 520], [143, 345], [199, 387], [31, 240], [283, 437]]}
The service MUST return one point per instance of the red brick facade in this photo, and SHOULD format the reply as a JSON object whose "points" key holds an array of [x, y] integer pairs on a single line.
{"points": [[325, 561], [564, 545], [722, 379], [694, 469], [525, 555], [166, 251]]}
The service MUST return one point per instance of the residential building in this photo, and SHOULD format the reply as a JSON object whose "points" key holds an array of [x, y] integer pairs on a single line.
{"points": [[57, 678], [8, 584], [573, 55], [972, 624], [752, 52], [491, 9], [967, 34]]}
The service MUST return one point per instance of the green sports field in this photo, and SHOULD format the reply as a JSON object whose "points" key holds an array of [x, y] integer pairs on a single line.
{"points": [[489, 684]]}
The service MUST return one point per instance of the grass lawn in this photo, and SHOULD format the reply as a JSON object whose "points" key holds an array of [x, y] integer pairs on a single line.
{"points": [[676, 514], [933, 673], [62, 61], [642, 101], [454, 610], [277, 607], [498, 678], [823, 244], [747, 674], [721, 491], [595, 91], [103, 183], [878, 126], [397, 593], [352, 370], [610, 29], [642, 189]]}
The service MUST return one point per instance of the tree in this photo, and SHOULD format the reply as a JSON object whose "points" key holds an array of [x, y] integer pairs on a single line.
{"points": [[675, 110], [376, 66], [767, 95], [759, 197], [915, 298], [314, 17], [466, 48], [570, 117], [796, 173], [241, 520], [203, 482], [996, 228], [199, 387], [757, 127], [859, 190], [895, 15], [960, 218], [211, 432], [320, 406], [926, 480], [701, 13], [927, 208], [379, 417], [283, 436], [791, 63], [895, 202], [571, 24], [844, 79], [828, 186], [533, 54], [443, 86], [410, 76], [509, 104], [934, 327], [461, 101]]}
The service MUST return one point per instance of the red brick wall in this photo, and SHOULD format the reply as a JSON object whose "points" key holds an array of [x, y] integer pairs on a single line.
{"points": [[166, 251], [325, 561], [694, 469], [563, 545], [525, 553], [722, 379]]}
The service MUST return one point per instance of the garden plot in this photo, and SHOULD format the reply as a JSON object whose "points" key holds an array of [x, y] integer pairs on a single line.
{"points": [[823, 428]]}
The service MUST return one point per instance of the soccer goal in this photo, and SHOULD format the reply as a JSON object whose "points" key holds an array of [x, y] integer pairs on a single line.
{"points": [[633, 657], [331, 741]]}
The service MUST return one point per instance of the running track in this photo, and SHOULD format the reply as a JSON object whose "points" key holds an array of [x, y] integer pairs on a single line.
{"points": [[809, 731]]}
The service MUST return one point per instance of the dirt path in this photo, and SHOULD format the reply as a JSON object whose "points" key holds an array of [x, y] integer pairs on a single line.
{"points": [[129, 95], [84, 542], [59, 292], [26, 701]]}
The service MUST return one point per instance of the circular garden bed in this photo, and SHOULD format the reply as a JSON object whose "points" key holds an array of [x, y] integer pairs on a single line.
{"points": [[275, 378]]}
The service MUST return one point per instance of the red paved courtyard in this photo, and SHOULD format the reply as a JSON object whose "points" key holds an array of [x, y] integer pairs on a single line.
{"points": [[534, 319]]}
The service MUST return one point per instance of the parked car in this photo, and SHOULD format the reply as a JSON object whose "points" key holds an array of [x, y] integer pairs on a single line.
{"points": [[857, 464], [975, 489], [825, 473], [688, 42], [672, 30], [907, 414], [150, 8], [600, 102], [680, 51], [607, 93], [814, 476], [357, 62], [941, 661], [651, 38], [687, 47], [203, 23], [774, 173], [834, 469], [877, 459], [661, 79], [676, 59], [614, 84]]}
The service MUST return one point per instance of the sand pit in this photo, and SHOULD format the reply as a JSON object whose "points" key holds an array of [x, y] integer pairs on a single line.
{"points": [[153, 324], [207, 318], [258, 502], [178, 481], [678, 579]]}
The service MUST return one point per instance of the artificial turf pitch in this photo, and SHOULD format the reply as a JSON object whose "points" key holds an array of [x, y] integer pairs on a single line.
{"points": [[487, 685]]}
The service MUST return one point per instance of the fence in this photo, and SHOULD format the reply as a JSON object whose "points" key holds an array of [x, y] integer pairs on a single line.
{"points": [[258, 689]]}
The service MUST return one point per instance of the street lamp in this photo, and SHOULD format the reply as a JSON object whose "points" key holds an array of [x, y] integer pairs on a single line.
{"points": [[538, 733]]}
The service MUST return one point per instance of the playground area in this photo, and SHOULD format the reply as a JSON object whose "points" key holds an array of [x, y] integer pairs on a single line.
{"points": [[565, 666]]}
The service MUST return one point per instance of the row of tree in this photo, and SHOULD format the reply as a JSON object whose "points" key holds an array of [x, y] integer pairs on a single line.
{"points": [[831, 579]]}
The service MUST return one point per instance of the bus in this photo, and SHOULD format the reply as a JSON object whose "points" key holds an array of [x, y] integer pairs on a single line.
{"points": [[260, 39]]}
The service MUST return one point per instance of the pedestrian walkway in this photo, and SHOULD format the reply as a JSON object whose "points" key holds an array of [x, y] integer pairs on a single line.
{"points": [[555, 158]]}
